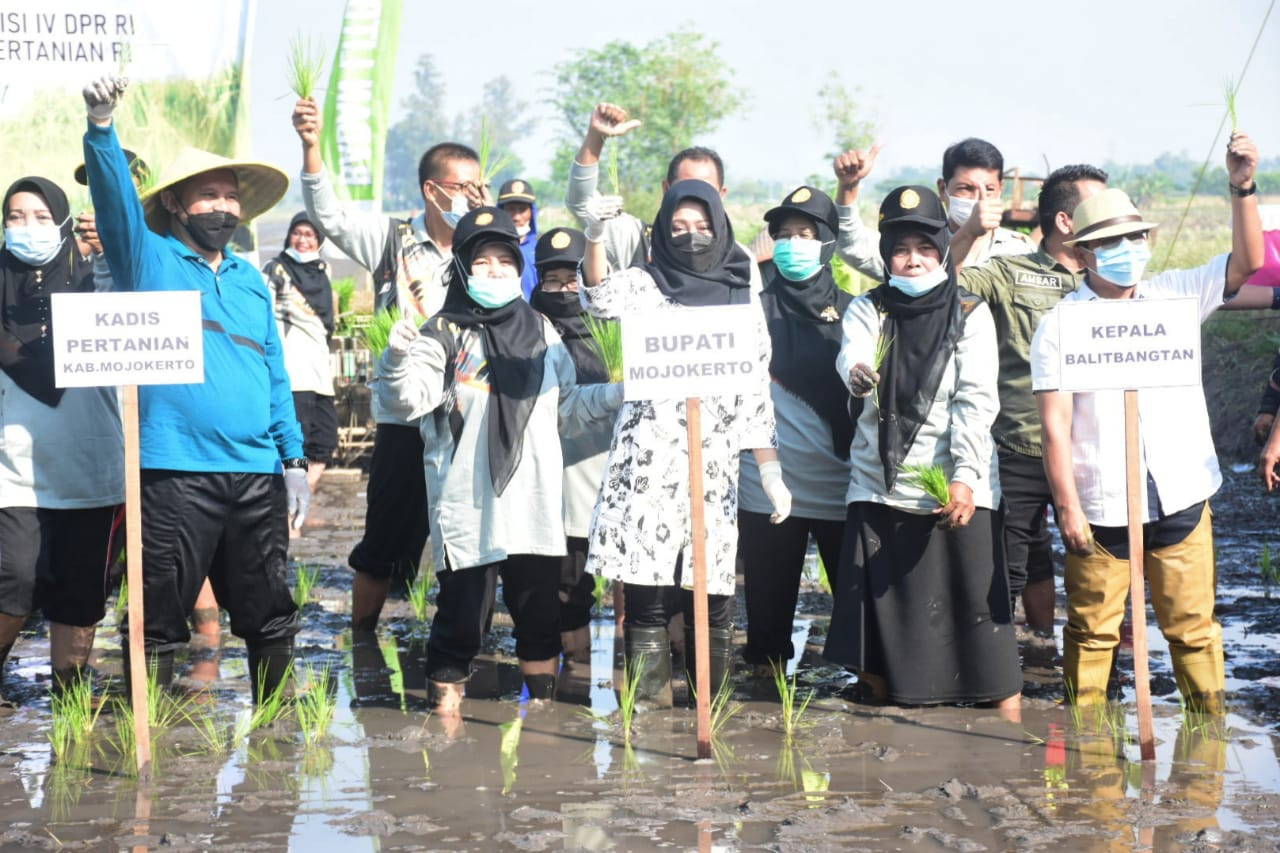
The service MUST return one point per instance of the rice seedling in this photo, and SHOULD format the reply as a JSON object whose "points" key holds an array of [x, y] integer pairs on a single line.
{"points": [[121, 609], [125, 58], [306, 63], [882, 350], [75, 713], [627, 696], [508, 752], [793, 706], [613, 168], [375, 334], [930, 478], [203, 718], [1201, 724], [304, 583], [597, 593], [315, 705], [490, 166], [824, 579], [267, 710], [1270, 571], [344, 289], [418, 592], [606, 341], [723, 709], [1232, 89]]}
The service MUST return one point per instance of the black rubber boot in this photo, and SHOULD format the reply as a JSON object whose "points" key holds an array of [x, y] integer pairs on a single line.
{"points": [[159, 669], [541, 686], [270, 664], [648, 660], [720, 644]]}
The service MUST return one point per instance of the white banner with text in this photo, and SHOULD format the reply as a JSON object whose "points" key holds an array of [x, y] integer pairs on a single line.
{"points": [[694, 352], [1122, 344], [150, 338]]}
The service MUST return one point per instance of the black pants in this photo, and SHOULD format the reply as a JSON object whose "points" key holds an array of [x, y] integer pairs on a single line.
{"points": [[395, 522], [772, 560], [530, 592], [1027, 544], [577, 588], [59, 560], [230, 528], [653, 606]]}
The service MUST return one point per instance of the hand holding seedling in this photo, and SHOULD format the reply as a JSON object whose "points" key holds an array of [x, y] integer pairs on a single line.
{"points": [[401, 337], [87, 229], [101, 96], [307, 122], [852, 166], [862, 380], [599, 210], [959, 510], [986, 215], [611, 120], [1242, 159]]}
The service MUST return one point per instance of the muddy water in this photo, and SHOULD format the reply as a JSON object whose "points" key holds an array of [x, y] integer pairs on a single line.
{"points": [[511, 775]]}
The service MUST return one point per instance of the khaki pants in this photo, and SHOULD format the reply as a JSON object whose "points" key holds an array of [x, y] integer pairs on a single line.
{"points": [[1181, 579]]}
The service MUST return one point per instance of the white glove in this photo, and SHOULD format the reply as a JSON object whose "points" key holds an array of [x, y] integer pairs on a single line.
{"points": [[402, 336], [776, 491], [102, 95], [299, 494], [599, 210]]}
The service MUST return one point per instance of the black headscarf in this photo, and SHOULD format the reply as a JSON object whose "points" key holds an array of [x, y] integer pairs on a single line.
{"points": [[26, 325], [514, 345], [311, 278], [804, 323], [923, 330], [562, 248], [721, 276]]}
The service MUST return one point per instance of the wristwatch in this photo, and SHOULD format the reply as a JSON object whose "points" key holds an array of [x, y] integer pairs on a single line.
{"points": [[299, 462], [1241, 192]]}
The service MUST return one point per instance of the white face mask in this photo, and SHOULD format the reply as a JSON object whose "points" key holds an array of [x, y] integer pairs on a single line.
{"points": [[960, 209], [523, 230], [494, 292], [919, 285], [302, 257]]}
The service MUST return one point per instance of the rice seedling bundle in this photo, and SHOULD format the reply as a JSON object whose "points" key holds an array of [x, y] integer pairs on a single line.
{"points": [[606, 340], [932, 479], [306, 64]]}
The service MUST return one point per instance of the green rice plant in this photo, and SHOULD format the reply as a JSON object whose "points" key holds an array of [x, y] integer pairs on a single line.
{"points": [[1201, 724], [306, 64], [1270, 572], [627, 696], [315, 705], [723, 709], [204, 720], [598, 590], [793, 707], [121, 609], [75, 713], [824, 579], [1232, 89], [606, 341], [304, 583], [375, 334], [882, 350], [930, 478], [267, 711], [613, 168], [418, 592], [508, 751], [490, 166], [344, 289]]}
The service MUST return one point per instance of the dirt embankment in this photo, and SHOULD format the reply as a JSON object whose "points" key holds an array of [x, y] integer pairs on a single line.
{"points": [[1239, 350]]}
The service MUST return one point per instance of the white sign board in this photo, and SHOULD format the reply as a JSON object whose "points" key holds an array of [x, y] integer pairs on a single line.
{"points": [[149, 338], [693, 352], [1124, 344]]}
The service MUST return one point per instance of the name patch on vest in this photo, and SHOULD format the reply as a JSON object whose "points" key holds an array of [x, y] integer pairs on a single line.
{"points": [[1045, 281]]}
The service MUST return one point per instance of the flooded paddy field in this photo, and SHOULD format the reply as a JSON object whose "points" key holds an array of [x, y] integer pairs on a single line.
{"points": [[510, 774]]}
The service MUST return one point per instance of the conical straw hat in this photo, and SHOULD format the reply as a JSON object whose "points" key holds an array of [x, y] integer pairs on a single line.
{"points": [[261, 185]]}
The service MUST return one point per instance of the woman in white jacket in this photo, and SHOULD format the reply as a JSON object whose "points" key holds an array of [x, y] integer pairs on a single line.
{"points": [[493, 384], [921, 598]]}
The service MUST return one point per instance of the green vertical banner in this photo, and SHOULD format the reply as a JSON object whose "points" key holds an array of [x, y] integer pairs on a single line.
{"points": [[358, 100]]}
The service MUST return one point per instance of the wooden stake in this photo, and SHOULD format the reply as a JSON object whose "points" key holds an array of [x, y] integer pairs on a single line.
{"points": [[1137, 585], [133, 555], [701, 642]]}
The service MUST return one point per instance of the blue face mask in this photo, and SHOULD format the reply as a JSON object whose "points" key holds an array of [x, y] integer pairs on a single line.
{"points": [[1123, 263], [494, 292], [919, 285], [34, 244], [798, 258], [458, 208]]}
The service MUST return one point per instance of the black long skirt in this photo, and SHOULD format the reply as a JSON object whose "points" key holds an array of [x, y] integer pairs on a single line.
{"points": [[924, 607]]}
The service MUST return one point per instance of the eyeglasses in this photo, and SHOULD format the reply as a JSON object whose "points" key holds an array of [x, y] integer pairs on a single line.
{"points": [[1112, 242], [455, 186]]}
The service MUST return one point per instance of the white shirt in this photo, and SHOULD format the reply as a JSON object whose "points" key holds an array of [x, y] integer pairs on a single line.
{"points": [[1177, 447]]}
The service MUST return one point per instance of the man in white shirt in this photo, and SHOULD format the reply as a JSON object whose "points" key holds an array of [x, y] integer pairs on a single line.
{"points": [[1084, 455]]}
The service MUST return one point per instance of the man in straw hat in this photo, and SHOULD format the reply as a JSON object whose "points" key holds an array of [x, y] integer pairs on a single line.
{"points": [[1084, 454], [213, 499]]}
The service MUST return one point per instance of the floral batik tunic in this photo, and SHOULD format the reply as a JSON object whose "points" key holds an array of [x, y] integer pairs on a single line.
{"points": [[641, 523]]}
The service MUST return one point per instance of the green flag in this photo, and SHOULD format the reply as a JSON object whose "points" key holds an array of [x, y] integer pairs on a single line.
{"points": [[359, 98]]}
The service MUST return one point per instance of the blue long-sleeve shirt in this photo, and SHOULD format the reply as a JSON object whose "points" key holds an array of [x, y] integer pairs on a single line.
{"points": [[241, 418]]}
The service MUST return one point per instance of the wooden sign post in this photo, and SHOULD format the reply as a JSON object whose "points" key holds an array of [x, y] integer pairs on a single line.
{"points": [[690, 354], [129, 339], [1112, 345]]}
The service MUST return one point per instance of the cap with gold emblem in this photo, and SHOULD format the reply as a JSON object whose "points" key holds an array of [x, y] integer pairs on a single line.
{"points": [[516, 190], [811, 203], [559, 247], [913, 208], [482, 226]]}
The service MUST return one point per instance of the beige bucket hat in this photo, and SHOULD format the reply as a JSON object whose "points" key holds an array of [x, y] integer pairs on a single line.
{"points": [[261, 185], [1110, 213]]}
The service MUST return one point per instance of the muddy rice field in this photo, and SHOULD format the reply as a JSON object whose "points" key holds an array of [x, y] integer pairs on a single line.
{"points": [[388, 775]]}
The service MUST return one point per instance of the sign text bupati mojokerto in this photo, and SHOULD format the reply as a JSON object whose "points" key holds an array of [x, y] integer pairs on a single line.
{"points": [[151, 338], [696, 352], [1129, 344]]}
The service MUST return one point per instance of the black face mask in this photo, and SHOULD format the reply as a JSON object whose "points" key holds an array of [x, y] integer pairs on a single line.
{"points": [[561, 303], [696, 248], [212, 231]]}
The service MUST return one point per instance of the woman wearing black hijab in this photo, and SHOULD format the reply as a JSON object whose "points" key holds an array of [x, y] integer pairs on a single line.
{"points": [[921, 606], [61, 450], [802, 306], [640, 529], [492, 386]]}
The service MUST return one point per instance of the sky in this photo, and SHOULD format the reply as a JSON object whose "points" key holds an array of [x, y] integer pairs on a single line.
{"points": [[1085, 81]]}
